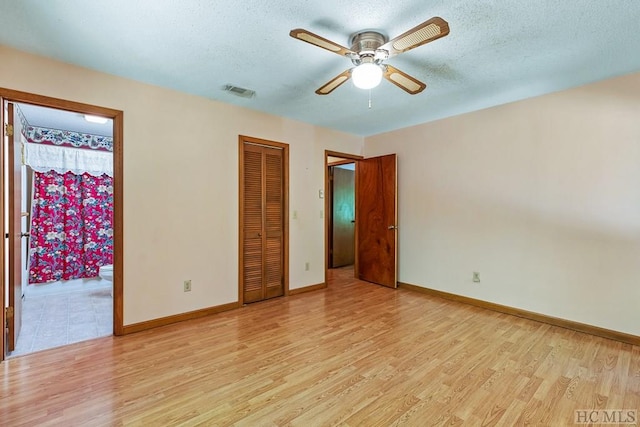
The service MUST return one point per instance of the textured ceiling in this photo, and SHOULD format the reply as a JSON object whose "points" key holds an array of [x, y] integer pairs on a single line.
{"points": [[497, 51]]}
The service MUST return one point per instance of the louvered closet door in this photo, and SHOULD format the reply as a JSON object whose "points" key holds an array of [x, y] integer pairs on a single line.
{"points": [[262, 223]]}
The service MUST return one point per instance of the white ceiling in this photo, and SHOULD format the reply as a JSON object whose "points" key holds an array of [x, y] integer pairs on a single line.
{"points": [[64, 120], [497, 51]]}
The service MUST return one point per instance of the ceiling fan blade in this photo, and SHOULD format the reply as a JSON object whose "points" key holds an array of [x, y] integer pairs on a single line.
{"points": [[314, 39], [403, 80], [334, 83], [426, 32]]}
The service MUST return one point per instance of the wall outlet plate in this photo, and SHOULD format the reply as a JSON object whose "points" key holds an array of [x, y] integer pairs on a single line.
{"points": [[476, 277], [187, 285]]}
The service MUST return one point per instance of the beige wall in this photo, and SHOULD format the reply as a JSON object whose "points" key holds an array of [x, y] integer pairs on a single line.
{"points": [[541, 197], [180, 184]]}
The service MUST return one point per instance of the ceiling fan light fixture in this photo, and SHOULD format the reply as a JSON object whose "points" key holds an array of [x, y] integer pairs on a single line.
{"points": [[367, 75], [369, 51]]}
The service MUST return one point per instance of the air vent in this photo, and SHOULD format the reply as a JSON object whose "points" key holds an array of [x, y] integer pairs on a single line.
{"points": [[240, 91]]}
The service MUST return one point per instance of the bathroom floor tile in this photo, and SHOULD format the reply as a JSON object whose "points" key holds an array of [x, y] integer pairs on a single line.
{"points": [[53, 319]]}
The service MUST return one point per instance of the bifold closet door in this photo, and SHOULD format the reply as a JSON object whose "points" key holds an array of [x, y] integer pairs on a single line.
{"points": [[263, 259]]}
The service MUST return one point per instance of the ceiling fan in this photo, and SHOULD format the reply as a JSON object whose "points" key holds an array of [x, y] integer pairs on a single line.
{"points": [[369, 50]]}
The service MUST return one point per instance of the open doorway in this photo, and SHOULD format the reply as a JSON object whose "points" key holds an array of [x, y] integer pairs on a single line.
{"points": [[66, 214], [62, 209], [342, 212], [340, 208], [370, 210]]}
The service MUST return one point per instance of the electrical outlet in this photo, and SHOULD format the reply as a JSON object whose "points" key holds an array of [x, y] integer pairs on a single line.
{"points": [[476, 277], [187, 285], [295, 214], [306, 266]]}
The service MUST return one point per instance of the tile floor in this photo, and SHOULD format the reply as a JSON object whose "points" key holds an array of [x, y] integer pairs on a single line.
{"points": [[58, 315]]}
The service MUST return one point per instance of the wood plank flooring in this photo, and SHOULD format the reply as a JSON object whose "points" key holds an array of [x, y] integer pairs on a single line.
{"points": [[354, 354]]}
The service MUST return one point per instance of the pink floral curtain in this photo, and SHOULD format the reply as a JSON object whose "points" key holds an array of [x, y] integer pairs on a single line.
{"points": [[71, 226]]}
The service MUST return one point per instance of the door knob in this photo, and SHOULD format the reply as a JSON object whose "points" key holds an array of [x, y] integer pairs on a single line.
{"points": [[393, 227], [24, 235]]}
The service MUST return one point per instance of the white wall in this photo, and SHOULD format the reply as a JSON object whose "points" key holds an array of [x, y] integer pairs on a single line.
{"points": [[542, 197], [181, 184]]}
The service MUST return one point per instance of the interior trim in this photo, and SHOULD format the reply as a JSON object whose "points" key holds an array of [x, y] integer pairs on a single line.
{"points": [[168, 320], [309, 288], [555, 321]]}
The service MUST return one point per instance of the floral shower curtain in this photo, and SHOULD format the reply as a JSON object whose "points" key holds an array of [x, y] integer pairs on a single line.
{"points": [[71, 226]]}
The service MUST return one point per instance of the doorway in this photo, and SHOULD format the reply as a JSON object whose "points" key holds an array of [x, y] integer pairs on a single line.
{"points": [[17, 220], [263, 220], [340, 231], [375, 207], [342, 212]]}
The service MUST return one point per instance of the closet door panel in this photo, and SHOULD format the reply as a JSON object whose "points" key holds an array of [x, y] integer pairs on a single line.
{"points": [[273, 223], [253, 234]]}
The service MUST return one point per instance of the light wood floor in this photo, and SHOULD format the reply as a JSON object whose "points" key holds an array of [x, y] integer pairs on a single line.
{"points": [[353, 354]]}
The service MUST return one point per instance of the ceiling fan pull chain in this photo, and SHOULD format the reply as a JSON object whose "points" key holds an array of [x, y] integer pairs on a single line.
{"points": [[370, 99]]}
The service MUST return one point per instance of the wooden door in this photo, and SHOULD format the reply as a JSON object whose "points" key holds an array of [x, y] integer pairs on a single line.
{"points": [[376, 210], [14, 169], [342, 216], [262, 252]]}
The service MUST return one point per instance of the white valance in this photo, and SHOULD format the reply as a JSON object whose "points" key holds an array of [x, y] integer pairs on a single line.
{"points": [[43, 158]]}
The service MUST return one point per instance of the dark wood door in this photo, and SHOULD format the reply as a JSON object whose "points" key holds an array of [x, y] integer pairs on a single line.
{"points": [[263, 216], [342, 216], [14, 169], [376, 210]]}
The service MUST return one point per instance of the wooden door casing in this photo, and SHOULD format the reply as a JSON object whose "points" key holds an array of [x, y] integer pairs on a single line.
{"points": [[18, 97], [263, 225], [376, 211]]}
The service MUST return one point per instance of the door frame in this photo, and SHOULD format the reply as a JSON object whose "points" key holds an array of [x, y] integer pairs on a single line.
{"points": [[242, 139], [118, 187], [352, 158]]}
